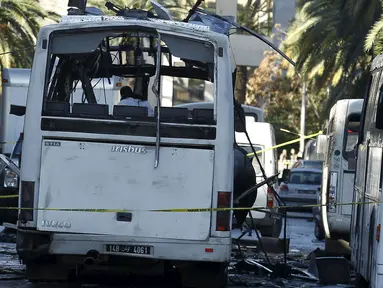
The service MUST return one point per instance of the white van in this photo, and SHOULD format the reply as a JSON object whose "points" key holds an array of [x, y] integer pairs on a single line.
{"points": [[262, 136], [367, 218], [337, 144], [121, 167]]}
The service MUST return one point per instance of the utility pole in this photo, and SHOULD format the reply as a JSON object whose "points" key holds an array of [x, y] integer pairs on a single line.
{"points": [[303, 118]]}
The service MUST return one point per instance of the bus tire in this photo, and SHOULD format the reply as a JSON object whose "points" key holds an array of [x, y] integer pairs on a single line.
{"points": [[45, 272], [204, 275], [318, 232], [273, 231], [360, 282]]}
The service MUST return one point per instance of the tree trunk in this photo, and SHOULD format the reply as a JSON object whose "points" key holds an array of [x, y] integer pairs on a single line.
{"points": [[240, 85]]}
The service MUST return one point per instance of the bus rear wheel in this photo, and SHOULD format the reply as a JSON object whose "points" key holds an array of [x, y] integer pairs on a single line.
{"points": [[318, 232], [204, 275], [273, 231]]}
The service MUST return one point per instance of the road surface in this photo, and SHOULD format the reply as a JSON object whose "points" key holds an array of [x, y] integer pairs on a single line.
{"points": [[302, 242]]}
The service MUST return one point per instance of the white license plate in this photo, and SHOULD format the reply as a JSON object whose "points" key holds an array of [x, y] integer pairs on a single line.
{"points": [[129, 249]]}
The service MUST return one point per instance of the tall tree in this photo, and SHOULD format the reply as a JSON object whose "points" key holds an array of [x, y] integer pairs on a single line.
{"points": [[280, 97], [256, 15], [19, 26], [326, 40]]}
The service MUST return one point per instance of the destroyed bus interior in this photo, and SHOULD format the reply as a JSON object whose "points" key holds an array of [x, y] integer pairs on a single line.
{"points": [[135, 56]]}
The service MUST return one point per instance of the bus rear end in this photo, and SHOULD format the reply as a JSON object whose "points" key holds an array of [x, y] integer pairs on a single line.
{"points": [[120, 182]]}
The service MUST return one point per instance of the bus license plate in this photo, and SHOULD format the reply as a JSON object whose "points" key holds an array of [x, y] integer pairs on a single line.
{"points": [[128, 249]]}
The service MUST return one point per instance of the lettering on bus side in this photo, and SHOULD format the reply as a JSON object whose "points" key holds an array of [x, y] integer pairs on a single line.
{"points": [[129, 149], [53, 143]]}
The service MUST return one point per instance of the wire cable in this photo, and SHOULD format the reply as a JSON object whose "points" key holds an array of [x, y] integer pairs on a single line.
{"points": [[17, 50]]}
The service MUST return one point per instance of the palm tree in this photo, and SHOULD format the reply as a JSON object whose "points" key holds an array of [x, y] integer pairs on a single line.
{"points": [[19, 26], [327, 42]]}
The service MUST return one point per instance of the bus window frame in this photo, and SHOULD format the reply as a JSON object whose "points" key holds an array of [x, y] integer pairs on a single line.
{"points": [[345, 135]]}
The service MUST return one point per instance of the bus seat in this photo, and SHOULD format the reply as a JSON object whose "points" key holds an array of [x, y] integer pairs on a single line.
{"points": [[203, 116], [90, 110], [124, 111], [56, 108], [173, 114]]}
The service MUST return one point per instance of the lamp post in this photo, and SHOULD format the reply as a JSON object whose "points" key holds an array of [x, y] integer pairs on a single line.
{"points": [[303, 104], [303, 118]]}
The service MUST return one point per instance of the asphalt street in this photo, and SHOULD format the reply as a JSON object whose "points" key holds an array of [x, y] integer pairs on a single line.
{"points": [[302, 242]]}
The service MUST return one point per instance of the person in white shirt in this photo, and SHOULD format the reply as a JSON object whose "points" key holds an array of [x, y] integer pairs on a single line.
{"points": [[128, 97]]}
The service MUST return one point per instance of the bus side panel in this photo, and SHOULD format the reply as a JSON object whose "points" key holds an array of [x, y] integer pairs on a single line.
{"points": [[371, 192], [356, 221]]}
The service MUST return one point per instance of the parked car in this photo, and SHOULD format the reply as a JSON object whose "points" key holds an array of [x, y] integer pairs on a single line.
{"points": [[316, 164], [300, 186]]}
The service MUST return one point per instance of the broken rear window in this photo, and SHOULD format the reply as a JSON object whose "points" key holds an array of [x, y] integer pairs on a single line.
{"points": [[90, 71]]}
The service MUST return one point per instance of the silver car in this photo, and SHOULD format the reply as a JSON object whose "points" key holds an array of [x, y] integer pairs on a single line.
{"points": [[301, 186]]}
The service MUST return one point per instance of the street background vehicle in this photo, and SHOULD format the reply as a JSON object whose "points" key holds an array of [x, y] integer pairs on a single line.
{"points": [[300, 187]]}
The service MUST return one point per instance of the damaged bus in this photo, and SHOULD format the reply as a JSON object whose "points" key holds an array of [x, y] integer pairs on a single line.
{"points": [[98, 184], [367, 217]]}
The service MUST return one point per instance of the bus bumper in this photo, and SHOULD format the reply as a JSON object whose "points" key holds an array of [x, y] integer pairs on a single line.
{"points": [[35, 244]]}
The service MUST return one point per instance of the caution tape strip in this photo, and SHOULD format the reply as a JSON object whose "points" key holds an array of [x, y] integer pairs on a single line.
{"points": [[187, 210], [285, 144], [9, 196]]}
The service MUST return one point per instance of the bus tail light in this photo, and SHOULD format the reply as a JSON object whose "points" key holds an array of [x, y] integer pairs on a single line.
{"points": [[27, 194], [270, 198], [223, 217], [378, 233]]}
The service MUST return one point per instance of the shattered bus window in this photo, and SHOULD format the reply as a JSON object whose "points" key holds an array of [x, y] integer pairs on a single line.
{"points": [[132, 56]]}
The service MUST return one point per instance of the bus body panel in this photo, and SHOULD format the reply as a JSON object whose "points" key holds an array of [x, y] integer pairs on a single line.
{"points": [[187, 173], [366, 241], [122, 176]]}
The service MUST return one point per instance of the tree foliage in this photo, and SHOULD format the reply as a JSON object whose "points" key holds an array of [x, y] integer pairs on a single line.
{"points": [[19, 25], [328, 41], [280, 96]]}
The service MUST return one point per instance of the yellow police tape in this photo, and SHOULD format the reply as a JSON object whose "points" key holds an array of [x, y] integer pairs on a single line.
{"points": [[181, 210], [197, 209], [285, 144]]}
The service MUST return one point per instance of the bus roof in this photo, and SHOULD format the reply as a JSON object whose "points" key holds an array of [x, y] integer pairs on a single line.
{"points": [[353, 105]]}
